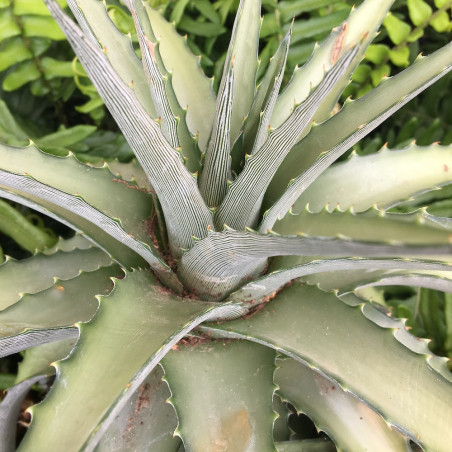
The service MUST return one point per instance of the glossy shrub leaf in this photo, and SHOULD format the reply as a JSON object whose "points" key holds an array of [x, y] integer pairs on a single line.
{"points": [[27, 235], [398, 30], [419, 10]]}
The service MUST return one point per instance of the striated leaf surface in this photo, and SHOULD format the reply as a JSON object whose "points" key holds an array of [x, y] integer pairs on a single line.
{"points": [[169, 110], [156, 82], [185, 211], [189, 83], [359, 29], [10, 411], [84, 218], [216, 172], [328, 141], [222, 262], [97, 186], [62, 305], [343, 280], [114, 248], [265, 99], [247, 190], [116, 46], [344, 272], [242, 56]]}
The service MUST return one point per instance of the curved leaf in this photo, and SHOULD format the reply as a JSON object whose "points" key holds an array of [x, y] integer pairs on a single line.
{"points": [[329, 140], [60, 306], [221, 262], [343, 281], [349, 422], [38, 360], [32, 338], [84, 217], [391, 370], [381, 179], [189, 83], [359, 29], [444, 284], [373, 224], [269, 284], [185, 211], [97, 186], [37, 273], [247, 190], [22, 231], [134, 328], [242, 56], [170, 110], [10, 410], [216, 172], [95, 21], [114, 248], [156, 82], [256, 127], [147, 422]]}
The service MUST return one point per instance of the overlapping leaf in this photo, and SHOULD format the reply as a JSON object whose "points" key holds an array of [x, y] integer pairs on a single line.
{"points": [[317, 328], [134, 328]]}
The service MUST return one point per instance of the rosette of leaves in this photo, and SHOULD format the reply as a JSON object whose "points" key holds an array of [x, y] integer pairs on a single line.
{"points": [[171, 272]]}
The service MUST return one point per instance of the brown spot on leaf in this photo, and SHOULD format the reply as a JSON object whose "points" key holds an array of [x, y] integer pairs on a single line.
{"points": [[133, 186], [143, 398], [230, 434], [338, 45]]}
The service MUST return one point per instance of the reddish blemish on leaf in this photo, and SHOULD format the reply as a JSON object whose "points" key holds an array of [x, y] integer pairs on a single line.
{"points": [[446, 168], [339, 42], [151, 46], [135, 187]]}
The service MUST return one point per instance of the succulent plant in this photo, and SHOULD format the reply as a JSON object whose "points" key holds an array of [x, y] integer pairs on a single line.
{"points": [[232, 270]]}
